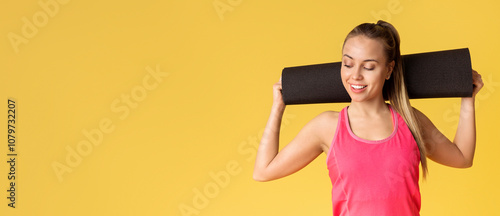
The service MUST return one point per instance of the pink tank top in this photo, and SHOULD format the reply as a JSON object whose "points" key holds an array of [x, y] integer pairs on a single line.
{"points": [[374, 177]]}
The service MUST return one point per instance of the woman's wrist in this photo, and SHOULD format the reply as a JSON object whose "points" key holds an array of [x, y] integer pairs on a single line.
{"points": [[278, 107], [468, 104]]}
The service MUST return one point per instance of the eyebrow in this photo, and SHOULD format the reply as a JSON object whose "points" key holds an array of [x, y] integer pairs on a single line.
{"points": [[366, 60]]}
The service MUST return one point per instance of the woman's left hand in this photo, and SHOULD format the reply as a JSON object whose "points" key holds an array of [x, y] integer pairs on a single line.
{"points": [[477, 82]]}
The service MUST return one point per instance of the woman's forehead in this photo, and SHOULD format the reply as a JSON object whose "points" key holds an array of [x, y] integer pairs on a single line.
{"points": [[362, 48]]}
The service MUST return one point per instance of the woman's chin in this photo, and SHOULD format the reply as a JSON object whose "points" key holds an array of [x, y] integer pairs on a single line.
{"points": [[355, 97], [356, 100], [360, 98]]}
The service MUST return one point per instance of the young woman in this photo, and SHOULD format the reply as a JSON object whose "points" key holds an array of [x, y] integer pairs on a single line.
{"points": [[373, 148]]}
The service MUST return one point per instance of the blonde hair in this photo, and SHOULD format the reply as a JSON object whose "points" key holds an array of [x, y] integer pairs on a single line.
{"points": [[395, 88]]}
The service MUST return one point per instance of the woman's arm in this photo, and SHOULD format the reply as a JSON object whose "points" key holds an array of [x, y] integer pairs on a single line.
{"points": [[460, 152], [271, 163]]}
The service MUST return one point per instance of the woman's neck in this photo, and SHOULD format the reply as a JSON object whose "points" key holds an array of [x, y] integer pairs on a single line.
{"points": [[368, 108]]}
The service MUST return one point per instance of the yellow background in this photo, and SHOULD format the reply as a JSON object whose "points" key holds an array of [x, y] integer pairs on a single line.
{"points": [[205, 117]]}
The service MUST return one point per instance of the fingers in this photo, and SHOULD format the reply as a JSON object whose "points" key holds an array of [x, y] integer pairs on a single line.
{"points": [[477, 81], [278, 102], [277, 86], [476, 77], [476, 74]]}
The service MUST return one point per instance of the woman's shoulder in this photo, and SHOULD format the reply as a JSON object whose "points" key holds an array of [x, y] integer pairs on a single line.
{"points": [[324, 121], [329, 115], [419, 114], [325, 118], [326, 125]]}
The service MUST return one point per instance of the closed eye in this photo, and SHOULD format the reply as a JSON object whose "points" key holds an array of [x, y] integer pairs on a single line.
{"points": [[348, 66], [369, 69]]}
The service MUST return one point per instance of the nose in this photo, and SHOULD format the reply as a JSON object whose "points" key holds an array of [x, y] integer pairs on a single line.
{"points": [[356, 73]]}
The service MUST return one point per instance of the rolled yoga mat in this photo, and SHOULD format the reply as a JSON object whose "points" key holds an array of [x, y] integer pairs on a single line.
{"points": [[427, 75]]}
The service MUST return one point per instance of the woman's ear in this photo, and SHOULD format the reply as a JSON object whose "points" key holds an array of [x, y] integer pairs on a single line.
{"points": [[390, 69]]}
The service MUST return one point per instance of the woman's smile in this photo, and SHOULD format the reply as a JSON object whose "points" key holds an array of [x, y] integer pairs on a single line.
{"points": [[357, 88]]}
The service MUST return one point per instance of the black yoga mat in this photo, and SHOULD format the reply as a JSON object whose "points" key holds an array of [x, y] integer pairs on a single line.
{"points": [[427, 75]]}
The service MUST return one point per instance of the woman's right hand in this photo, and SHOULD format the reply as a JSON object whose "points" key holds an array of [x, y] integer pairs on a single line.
{"points": [[278, 96]]}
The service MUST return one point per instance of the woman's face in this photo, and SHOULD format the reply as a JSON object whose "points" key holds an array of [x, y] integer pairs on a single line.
{"points": [[364, 68]]}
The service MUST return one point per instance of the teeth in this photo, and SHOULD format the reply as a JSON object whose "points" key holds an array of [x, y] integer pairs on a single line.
{"points": [[358, 86]]}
